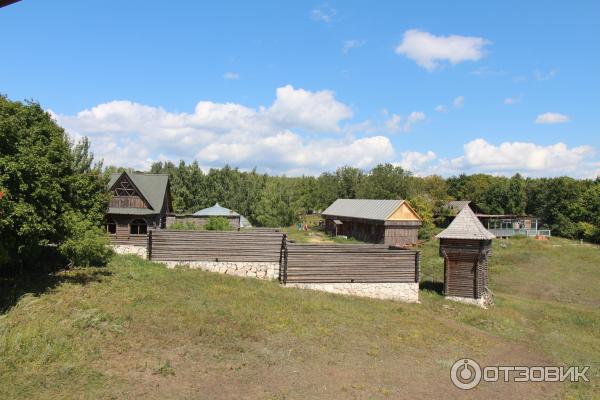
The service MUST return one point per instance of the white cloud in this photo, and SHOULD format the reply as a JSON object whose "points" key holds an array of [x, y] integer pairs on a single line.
{"points": [[352, 44], [416, 161], [441, 108], [134, 135], [315, 111], [323, 13], [522, 156], [429, 51], [551, 118], [544, 75], [393, 124], [459, 102], [231, 75]]}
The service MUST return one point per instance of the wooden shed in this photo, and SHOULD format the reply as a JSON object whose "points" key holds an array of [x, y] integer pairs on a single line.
{"points": [[466, 246], [390, 222]]}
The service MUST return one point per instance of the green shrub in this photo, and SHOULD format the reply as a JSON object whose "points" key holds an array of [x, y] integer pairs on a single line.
{"points": [[185, 226], [218, 224], [87, 244]]}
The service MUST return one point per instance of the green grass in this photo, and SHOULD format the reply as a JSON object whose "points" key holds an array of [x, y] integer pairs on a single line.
{"points": [[138, 330]]}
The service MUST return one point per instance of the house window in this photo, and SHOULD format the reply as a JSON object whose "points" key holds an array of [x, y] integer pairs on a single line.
{"points": [[125, 188], [111, 227], [138, 227]]}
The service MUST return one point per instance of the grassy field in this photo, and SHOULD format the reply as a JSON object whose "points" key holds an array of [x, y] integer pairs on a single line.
{"points": [[138, 330]]}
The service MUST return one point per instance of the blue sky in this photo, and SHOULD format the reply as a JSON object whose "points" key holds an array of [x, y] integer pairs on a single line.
{"points": [[303, 87]]}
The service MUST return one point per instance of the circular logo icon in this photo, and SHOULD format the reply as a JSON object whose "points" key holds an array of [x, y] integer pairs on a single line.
{"points": [[465, 374]]}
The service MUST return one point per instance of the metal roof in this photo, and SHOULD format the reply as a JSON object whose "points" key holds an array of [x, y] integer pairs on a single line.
{"points": [[377, 210], [216, 211], [152, 187], [466, 225]]}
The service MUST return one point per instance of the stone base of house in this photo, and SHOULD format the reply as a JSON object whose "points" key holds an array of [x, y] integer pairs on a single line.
{"points": [[259, 270], [129, 249], [484, 302], [407, 292]]}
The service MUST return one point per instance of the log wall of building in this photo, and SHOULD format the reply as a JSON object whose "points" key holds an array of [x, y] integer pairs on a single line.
{"points": [[465, 267]]}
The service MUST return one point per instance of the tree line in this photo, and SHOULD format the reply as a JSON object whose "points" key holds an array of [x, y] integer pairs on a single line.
{"points": [[569, 207]]}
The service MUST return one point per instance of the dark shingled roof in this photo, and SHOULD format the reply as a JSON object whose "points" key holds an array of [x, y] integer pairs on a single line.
{"points": [[466, 225], [152, 187]]}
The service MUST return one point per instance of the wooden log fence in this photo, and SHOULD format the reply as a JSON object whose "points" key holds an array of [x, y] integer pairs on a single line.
{"points": [[229, 246], [298, 263], [317, 263]]}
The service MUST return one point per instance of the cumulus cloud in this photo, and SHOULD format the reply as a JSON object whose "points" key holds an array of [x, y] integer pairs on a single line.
{"points": [[416, 161], [429, 51], [316, 111], [551, 118], [352, 44], [231, 75], [441, 108], [522, 156], [130, 134], [394, 123]]}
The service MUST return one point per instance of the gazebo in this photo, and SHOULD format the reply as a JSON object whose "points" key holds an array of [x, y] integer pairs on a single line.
{"points": [[466, 246]]}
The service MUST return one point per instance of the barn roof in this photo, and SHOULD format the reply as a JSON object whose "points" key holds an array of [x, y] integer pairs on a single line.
{"points": [[152, 187], [378, 210], [466, 225]]}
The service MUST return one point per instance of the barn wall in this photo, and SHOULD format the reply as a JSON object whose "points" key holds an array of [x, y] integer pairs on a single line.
{"points": [[123, 235]]}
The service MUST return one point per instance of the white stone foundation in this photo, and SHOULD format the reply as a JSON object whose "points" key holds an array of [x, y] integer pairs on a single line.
{"points": [[408, 292], [483, 302], [260, 270], [129, 249]]}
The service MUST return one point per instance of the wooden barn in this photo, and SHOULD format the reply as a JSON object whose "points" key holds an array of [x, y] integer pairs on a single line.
{"points": [[466, 246], [139, 202], [390, 222]]}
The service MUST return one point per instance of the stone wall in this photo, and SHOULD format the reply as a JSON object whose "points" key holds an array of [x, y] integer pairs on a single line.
{"points": [[408, 292], [260, 270], [129, 249]]}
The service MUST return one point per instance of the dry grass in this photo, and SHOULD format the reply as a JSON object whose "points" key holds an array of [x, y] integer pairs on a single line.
{"points": [[138, 330]]}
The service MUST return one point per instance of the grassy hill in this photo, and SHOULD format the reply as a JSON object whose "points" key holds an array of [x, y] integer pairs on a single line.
{"points": [[136, 329]]}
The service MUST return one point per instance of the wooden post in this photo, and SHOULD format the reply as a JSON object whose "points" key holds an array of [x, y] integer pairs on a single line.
{"points": [[417, 266], [149, 246]]}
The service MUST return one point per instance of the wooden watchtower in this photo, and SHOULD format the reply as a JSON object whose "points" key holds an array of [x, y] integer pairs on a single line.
{"points": [[466, 246]]}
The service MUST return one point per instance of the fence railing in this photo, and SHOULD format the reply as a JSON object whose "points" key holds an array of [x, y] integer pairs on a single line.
{"points": [[507, 232]]}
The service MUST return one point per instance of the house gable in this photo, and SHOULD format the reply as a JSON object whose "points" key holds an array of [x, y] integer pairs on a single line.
{"points": [[404, 213], [127, 195]]}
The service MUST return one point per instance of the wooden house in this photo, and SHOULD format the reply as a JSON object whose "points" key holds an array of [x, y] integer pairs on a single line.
{"points": [[139, 202], [391, 222], [466, 246]]}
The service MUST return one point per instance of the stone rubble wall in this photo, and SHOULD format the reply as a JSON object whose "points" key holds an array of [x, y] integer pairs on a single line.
{"points": [[407, 292], [129, 249], [260, 270]]}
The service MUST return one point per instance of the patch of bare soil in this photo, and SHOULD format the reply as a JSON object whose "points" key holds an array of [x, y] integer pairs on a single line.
{"points": [[289, 369]]}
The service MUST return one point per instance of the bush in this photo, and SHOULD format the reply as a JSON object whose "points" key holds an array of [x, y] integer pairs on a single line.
{"points": [[86, 245], [185, 226], [218, 224]]}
